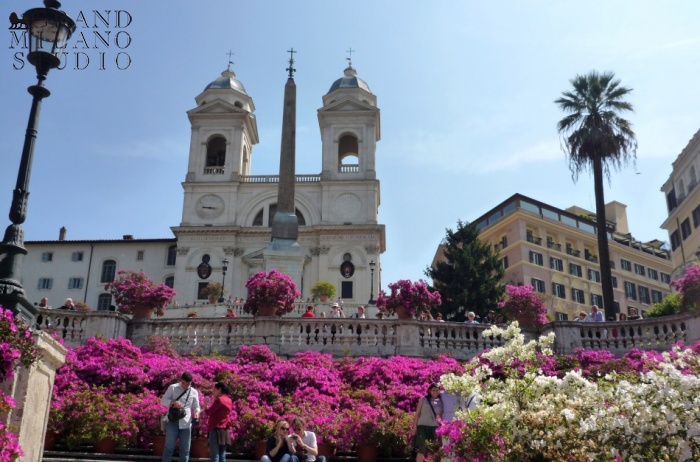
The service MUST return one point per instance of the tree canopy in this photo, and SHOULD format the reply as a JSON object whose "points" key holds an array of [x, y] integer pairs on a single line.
{"points": [[470, 277], [595, 136]]}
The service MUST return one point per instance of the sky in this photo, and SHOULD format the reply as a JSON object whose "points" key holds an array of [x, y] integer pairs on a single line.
{"points": [[465, 89]]}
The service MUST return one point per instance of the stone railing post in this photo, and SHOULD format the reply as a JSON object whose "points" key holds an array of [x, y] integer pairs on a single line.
{"points": [[408, 338], [31, 388], [139, 330], [268, 332]]}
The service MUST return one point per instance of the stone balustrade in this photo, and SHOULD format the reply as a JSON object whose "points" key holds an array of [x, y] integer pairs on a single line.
{"points": [[290, 334]]}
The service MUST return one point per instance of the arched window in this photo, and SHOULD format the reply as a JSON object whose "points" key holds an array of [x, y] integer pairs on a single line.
{"points": [[271, 210], [348, 157], [103, 302], [216, 152], [109, 271], [693, 177], [681, 188], [170, 281], [172, 255]]}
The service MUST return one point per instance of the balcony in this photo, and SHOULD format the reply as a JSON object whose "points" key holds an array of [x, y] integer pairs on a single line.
{"points": [[592, 258], [214, 170], [572, 252], [307, 178], [554, 245], [534, 240], [348, 168]]}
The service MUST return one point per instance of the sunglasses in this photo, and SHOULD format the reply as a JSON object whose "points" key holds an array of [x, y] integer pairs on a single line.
{"points": [[284, 428]]}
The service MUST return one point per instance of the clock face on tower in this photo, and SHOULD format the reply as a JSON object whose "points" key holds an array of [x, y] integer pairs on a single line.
{"points": [[210, 206]]}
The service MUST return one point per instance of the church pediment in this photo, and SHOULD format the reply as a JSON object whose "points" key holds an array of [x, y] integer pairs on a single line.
{"points": [[347, 104], [216, 107]]}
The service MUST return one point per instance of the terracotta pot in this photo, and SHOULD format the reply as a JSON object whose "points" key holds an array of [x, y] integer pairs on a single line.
{"points": [[402, 313], [324, 298], [199, 448], [326, 449], [212, 300], [158, 445], [51, 440], [367, 453], [106, 445], [259, 449], [140, 312], [267, 310]]}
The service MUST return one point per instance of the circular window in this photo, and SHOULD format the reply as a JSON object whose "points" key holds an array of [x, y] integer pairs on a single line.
{"points": [[347, 257]]}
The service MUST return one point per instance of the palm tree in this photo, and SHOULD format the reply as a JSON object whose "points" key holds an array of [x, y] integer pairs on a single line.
{"points": [[595, 135]]}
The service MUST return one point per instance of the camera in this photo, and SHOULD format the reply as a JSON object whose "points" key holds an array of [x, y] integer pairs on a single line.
{"points": [[296, 437]]}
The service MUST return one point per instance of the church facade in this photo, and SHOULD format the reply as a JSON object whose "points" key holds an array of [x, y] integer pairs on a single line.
{"points": [[227, 212]]}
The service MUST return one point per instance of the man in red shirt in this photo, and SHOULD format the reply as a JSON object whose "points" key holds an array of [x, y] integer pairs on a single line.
{"points": [[219, 413], [309, 312]]}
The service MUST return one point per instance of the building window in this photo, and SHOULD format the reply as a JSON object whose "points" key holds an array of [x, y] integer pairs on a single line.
{"points": [[109, 271], [559, 290], [577, 296], [614, 281], [47, 256], [504, 262], [536, 258], [675, 240], [45, 284], [671, 202], [170, 281], [103, 302], [75, 283], [653, 274], [593, 275], [139, 255], [639, 269], [575, 269], [665, 278], [597, 300], [216, 152], [630, 290], [200, 288], [644, 295], [696, 217], [556, 264], [346, 290], [77, 256], [626, 265], [504, 241], [562, 316], [685, 228], [172, 255], [538, 285], [616, 304], [656, 296]]}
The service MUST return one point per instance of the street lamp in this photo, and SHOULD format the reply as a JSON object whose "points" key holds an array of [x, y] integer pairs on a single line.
{"points": [[371, 283], [224, 267], [48, 32]]}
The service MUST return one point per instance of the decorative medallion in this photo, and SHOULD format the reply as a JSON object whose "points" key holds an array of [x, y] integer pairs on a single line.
{"points": [[347, 269]]}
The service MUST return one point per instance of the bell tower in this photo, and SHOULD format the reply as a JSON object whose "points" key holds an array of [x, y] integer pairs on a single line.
{"points": [[224, 130], [349, 123]]}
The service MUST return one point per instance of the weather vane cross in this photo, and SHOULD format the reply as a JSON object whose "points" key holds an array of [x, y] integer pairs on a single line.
{"points": [[349, 58], [230, 53], [291, 63]]}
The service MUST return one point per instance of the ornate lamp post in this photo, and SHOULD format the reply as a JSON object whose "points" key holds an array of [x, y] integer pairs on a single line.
{"points": [[371, 283], [224, 267], [48, 32]]}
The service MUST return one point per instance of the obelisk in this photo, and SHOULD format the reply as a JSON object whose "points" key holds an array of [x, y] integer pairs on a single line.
{"points": [[284, 252]]}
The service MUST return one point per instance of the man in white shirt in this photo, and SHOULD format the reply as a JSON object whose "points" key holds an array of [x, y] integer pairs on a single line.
{"points": [[596, 315], [305, 442], [181, 395], [360, 313]]}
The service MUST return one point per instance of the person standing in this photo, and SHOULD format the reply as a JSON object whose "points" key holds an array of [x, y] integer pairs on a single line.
{"points": [[471, 318], [360, 313], [429, 408], [180, 395], [309, 313], [219, 414], [69, 305], [596, 315]]}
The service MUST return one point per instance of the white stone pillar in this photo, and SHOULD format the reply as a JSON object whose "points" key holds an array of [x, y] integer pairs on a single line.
{"points": [[31, 389]]}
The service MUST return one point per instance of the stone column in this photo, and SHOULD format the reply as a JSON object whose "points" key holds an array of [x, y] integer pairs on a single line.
{"points": [[31, 389]]}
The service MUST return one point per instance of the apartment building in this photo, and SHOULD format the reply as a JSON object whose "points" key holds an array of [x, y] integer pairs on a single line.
{"points": [[683, 203], [556, 251]]}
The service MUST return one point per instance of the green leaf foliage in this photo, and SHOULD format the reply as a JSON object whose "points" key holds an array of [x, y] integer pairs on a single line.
{"points": [[470, 277]]}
